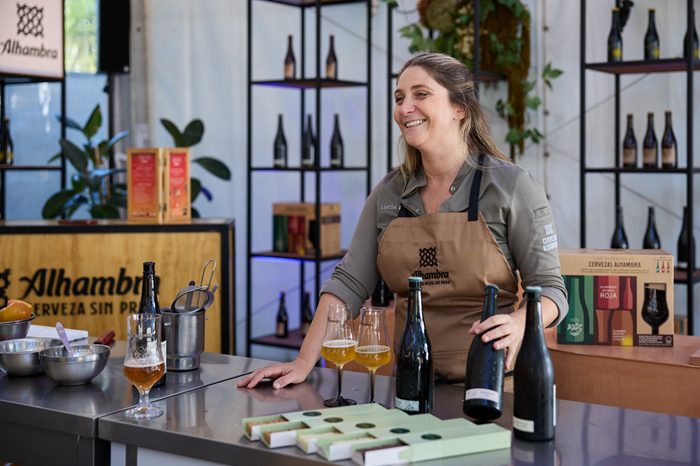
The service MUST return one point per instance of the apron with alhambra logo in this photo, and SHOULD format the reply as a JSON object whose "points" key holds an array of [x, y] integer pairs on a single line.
{"points": [[457, 256]]}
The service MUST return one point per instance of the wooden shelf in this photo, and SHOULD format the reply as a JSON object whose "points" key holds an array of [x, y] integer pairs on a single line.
{"points": [[309, 83], [307, 169], [312, 3], [636, 67], [681, 276], [641, 170], [298, 257]]}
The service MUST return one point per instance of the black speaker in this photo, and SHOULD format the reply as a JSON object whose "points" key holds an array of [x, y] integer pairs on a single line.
{"points": [[114, 27]]}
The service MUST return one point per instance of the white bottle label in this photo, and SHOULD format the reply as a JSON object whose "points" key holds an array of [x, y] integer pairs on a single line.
{"points": [[523, 425], [482, 394], [406, 405]]}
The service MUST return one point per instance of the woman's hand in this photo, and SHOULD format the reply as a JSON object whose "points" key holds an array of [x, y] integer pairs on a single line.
{"points": [[508, 327], [283, 374]]}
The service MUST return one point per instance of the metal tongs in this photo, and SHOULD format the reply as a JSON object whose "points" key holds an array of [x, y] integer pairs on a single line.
{"points": [[193, 298]]}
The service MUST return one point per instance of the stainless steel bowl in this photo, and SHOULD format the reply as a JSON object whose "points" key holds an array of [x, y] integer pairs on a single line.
{"points": [[15, 329], [88, 362], [21, 357]]}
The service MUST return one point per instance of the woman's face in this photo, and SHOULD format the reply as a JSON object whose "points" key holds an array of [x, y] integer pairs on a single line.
{"points": [[423, 111]]}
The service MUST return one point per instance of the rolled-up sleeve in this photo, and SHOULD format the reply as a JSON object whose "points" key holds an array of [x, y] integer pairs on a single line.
{"points": [[354, 279], [532, 237]]}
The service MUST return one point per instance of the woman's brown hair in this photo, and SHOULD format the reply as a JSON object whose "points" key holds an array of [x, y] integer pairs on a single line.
{"points": [[463, 90]]}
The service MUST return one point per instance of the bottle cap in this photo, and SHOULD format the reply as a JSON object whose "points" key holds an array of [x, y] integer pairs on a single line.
{"points": [[533, 289], [415, 279], [494, 287], [616, 9], [149, 267]]}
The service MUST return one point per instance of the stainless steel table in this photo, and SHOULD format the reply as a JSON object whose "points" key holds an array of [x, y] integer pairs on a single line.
{"points": [[43, 423], [203, 426]]}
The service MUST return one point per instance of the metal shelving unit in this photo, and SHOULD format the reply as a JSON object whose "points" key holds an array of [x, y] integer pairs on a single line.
{"points": [[687, 65], [317, 84]]}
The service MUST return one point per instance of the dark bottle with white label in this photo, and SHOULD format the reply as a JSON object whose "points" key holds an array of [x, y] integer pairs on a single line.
{"points": [[306, 315], [149, 306], [483, 394], [651, 39], [669, 147], [280, 154], [336, 146], [290, 63], [629, 145], [534, 400], [6, 146], [615, 38], [683, 246], [619, 239], [694, 44], [651, 236], [308, 146], [282, 319], [650, 154], [414, 361]]}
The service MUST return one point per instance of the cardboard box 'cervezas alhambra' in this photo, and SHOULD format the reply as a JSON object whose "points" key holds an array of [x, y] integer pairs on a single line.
{"points": [[617, 297]]}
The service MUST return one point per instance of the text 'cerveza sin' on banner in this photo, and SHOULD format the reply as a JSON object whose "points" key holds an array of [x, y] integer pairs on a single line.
{"points": [[31, 38]]}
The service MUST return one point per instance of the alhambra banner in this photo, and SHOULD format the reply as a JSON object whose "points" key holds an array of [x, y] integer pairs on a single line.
{"points": [[31, 38]]}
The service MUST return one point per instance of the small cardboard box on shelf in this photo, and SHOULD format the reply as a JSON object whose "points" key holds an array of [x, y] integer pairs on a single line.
{"points": [[295, 223], [617, 297]]}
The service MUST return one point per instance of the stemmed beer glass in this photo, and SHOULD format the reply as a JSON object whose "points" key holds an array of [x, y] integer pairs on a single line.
{"points": [[372, 342], [339, 346], [144, 364]]}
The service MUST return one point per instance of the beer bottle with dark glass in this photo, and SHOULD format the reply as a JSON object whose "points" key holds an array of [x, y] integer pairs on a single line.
{"points": [[149, 306], [6, 146], [414, 361], [683, 246], [629, 145], [619, 238], [650, 153], [308, 147], [280, 148], [290, 64], [282, 320], [694, 45], [651, 39], [669, 152], [651, 236], [336, 145], [306, 315], [331, 62], [615, 38], [534, 400], [483, 395]]}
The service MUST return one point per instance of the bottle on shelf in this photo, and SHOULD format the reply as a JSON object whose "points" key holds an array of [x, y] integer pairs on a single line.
{"points": [[336, 146], [282, 320], [290, 64], [615, 38], [483, 394], [534, 401], [280, 157], [414, 361], [651, 39], [684, 250], [331, 62], [651, 236], [650, 154], [308, 146], [6, 146], [382, 295], [149, 305], [669, 152], [619, 238], [696, 48], [306, 315], [629, 145]]}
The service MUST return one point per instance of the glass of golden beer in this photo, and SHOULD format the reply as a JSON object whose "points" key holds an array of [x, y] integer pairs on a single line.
{"points": [[144, 364], [373, 349], [339, 346]]}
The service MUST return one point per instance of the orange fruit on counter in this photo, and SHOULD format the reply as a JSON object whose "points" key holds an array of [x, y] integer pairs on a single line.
{"points": [[16, 310]]}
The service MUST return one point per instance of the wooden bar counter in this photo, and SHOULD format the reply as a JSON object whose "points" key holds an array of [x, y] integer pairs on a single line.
{"points": [[88, 276], [661, 380]]}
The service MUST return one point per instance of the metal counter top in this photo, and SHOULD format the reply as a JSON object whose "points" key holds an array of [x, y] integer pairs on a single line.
{"points": [[38, 401], [206, 424]]}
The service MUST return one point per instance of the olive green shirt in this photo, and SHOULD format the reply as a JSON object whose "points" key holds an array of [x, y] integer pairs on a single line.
{"points": [[513, 204]]}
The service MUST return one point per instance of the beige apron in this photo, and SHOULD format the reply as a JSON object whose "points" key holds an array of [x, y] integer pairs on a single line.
{"points": [[457, 256]]}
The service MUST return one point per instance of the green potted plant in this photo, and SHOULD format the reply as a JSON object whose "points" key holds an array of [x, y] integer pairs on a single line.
{"points": [[191, 136], [90, 184]]}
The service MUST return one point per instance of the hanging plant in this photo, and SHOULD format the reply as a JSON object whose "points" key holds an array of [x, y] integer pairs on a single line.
{"points": [[504, 31]]}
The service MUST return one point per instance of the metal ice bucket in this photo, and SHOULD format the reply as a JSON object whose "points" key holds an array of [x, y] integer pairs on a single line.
{"points": [[185, 339]]}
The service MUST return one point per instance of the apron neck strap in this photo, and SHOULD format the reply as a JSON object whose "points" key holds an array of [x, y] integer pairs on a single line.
{"points": [[473, 211]]}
